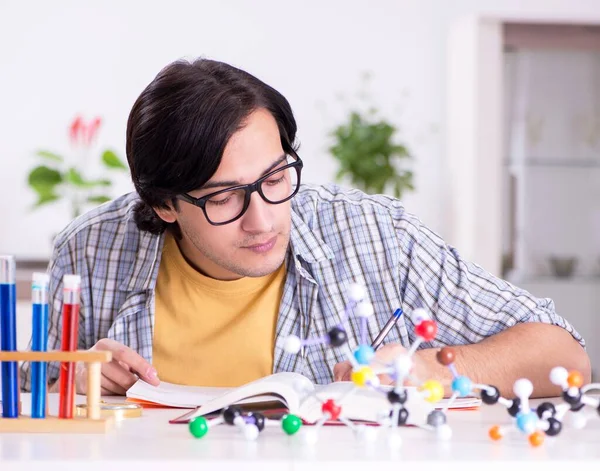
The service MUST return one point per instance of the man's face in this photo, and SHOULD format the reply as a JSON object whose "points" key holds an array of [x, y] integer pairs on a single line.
{"points": [[254, 245]]}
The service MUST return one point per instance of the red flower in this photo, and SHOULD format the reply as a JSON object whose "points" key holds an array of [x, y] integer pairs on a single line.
{"points": [[81, 133], [76, 129], [92, 129]]}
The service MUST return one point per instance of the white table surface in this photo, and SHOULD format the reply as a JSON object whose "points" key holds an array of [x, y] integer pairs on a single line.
{"points": [[153, 440]]}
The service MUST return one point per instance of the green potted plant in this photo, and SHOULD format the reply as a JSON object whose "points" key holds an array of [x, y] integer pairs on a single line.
{"points": [[56, 178], [368, 153]]}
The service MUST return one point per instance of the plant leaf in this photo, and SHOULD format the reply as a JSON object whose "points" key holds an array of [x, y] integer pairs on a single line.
{"points": [[43, 181], [111, 160], [98, 199], [50, 155], [74, 177], [46, 198], [42, 176]]}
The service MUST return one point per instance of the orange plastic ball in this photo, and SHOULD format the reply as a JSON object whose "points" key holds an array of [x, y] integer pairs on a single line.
{"points": [[495, 433], [575, 379], [536, 438]]}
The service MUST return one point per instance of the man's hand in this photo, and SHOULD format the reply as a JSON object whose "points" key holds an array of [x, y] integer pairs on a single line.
{"points": [[120, 373], [385, 355]]}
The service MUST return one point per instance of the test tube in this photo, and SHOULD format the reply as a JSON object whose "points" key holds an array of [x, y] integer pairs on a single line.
{"points": [[70, 327], [39, 343], [8, 335]]}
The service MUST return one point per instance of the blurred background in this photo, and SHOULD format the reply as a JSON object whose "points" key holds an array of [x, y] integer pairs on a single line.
{"points": [[483, 116]]}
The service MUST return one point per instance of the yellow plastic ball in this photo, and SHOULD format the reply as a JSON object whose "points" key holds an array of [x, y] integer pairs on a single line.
{"points": [[362, 376], [435, 390]]}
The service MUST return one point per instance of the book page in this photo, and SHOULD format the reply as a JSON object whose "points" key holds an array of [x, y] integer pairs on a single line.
{"points": [[277, 387], [174, 395], [283, 386]]}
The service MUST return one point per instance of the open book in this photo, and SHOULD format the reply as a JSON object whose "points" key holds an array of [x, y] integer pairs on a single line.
{"points": [[284, 388]]}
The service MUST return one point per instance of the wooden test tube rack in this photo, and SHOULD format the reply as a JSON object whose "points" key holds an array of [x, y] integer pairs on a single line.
{"points": [[93, 423]]}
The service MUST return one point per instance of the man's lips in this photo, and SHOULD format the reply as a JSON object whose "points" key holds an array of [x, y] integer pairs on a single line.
{"points": [[263, 246]]}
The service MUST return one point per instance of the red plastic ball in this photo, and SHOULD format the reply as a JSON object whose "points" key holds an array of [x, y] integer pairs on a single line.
{"points": [[426, 329], [331, 408]]}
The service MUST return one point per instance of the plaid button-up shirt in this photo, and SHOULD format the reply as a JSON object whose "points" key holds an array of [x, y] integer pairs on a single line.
{"points": [[337, 237]]}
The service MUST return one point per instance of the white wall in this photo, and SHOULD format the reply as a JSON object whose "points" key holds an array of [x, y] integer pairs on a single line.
{"points": [[64, 57]]}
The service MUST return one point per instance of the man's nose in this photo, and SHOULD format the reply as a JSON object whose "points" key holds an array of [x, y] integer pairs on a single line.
{"points": [[258, 217]]}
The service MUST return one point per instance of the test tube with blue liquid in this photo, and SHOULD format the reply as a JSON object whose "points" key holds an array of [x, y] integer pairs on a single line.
{"points": [[39, 343], [8, 335]]}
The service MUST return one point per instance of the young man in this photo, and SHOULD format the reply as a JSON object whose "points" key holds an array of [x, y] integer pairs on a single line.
{"points": [[200, 275]]}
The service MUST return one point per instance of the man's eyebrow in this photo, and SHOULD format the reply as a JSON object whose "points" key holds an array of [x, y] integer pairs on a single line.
{"points": [[227, 183]]}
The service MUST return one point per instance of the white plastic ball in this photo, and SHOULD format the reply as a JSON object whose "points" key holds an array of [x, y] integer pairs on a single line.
{"points": [[394, 440], [419, 315], [239, 421], [523, 388], [559, 376], [444, 432], [383, 417], [251, 432], [311, 436], [402, 365], [356, 292], [374, 382], [366, 433], [577, 420], [292, 344], [364, 309]]}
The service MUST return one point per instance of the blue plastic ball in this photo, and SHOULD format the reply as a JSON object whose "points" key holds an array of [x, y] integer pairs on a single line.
{"points": [[526, 422], [364, 354], [462, 385]]}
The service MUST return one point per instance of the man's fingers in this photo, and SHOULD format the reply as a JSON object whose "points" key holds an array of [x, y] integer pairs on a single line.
{"points": [[111, 388], [107, 385], [341, 371], [117, 374], [122, 353], [388, 352], [80, 379]]}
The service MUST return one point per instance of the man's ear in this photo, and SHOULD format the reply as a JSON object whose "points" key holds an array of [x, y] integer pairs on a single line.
{"points": [[168, 214]]}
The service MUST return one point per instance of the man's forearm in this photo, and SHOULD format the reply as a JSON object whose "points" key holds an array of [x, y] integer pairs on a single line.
{"points": [[53, 387], [528, 350]]}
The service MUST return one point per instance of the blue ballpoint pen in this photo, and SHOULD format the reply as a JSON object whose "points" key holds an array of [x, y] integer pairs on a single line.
{"points": [[386, 329]]}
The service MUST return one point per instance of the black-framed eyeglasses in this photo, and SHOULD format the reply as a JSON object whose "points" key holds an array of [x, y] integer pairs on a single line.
{"points": [[276, 187]]}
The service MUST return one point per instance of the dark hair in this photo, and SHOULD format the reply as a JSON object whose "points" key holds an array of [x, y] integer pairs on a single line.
{"points": [[180, 124]]}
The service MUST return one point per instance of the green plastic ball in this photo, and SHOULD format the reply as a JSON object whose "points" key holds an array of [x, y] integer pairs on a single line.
{"points": [[291, 424], [198, 427]]}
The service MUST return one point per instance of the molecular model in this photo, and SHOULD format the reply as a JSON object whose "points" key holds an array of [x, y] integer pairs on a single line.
{"points": [[574, 395], [250, 423], [363, 375], [535, 423]]}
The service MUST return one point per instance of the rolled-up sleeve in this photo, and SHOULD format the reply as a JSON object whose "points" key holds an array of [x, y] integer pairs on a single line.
{"points": [[467, 302]]}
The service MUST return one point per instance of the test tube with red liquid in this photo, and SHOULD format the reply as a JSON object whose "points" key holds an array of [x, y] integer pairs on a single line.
{"points": [[70, 335]]}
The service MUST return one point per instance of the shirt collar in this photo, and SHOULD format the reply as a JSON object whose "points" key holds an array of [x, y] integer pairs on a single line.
{"points": [[306, 244], [144, 269]]}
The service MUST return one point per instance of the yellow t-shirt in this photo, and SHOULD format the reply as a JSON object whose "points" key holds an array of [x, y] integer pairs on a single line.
{"points": [[209, 332]]}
